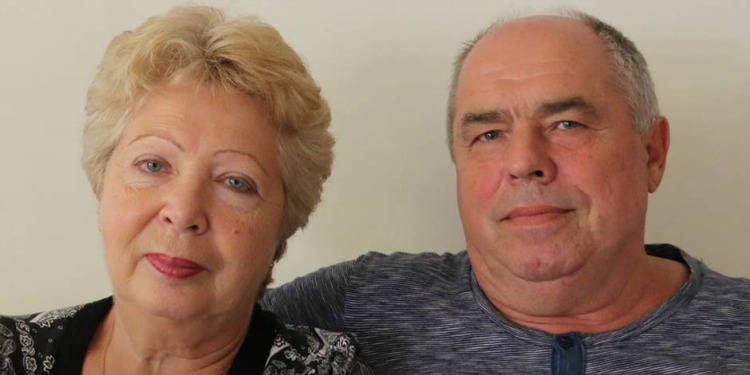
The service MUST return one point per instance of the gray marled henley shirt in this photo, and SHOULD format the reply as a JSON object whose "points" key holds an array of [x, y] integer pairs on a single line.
{"points": [[425, 314]]}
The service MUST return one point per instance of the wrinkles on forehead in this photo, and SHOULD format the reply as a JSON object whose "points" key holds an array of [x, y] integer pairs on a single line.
{"points": [[524, 63], [536, 41], [516, 70]]}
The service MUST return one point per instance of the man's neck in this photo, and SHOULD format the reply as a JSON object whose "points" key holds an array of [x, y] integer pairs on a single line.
{"points": [[592, 302]]}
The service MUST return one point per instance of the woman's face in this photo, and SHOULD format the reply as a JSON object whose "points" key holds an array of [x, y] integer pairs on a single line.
{"points": [[192, 204]]}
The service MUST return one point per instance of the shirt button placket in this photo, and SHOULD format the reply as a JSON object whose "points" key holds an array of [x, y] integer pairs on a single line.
{"points": [[568, 354]]}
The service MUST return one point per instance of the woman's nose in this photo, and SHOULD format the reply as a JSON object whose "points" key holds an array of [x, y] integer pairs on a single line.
{"points": [[185, 204]]}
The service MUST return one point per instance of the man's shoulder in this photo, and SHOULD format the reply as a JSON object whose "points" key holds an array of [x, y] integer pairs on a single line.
{"points": [[713, 284], [716, 318], [410, 269], [375, 267], [305, 349], [727, 291], [710, 283], [328, 297], [421, 263], [720, 304]]}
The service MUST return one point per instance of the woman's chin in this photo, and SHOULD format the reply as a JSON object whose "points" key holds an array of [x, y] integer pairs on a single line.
{"points": [[167, 302]]}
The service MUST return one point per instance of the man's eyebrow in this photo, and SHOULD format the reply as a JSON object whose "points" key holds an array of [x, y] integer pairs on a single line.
{"points": [[481, 118], [488, 117], [572, 103]]}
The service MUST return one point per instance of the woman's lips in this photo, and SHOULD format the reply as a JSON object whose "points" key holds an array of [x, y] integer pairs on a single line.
{"points": [[173, 268]]}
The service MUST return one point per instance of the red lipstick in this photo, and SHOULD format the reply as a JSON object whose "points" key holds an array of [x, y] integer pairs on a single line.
{"points": [[173, 268]]}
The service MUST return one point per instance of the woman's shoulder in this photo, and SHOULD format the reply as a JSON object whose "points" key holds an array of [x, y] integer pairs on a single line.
{"points": [[28, 343], [44, 319], [299, 349]]}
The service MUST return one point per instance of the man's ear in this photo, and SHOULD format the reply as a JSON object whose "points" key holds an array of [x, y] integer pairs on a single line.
{"points": [[656, 140]]}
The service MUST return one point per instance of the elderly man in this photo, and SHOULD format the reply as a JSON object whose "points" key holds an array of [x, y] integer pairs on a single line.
{"points": [[557, 140]]}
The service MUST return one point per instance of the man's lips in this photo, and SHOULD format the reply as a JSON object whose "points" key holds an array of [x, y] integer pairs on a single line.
{"points": [[535, 214], [172, 267]]}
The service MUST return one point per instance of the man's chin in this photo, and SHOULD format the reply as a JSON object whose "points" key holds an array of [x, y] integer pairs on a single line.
{"points": [[546, 265]]}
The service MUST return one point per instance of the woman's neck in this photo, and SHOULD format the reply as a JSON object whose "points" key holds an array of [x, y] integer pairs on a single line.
{"points": [[127, 342]]}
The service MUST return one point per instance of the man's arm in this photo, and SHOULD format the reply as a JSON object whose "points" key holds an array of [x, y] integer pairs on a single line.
{"points": [[317, 299]]}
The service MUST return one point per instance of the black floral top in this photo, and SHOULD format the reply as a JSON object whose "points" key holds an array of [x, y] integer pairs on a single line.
{"points": [[55, 343]]}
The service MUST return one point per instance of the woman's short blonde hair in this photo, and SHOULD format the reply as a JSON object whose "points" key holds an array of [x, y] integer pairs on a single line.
{"points": [[241, 55]]}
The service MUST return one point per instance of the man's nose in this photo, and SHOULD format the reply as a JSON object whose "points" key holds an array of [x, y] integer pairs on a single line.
{"points": [[527, 157]]}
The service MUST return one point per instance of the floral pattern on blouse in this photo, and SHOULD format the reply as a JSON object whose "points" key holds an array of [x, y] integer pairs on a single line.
{"points": [[29, 345], [299, 350]]}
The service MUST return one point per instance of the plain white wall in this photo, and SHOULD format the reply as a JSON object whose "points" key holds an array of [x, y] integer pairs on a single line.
{"points": [[385, 67]]}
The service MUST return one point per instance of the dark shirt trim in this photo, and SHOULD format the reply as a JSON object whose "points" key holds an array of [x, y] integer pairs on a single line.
{"points": [[251, 358], [75, 342]]}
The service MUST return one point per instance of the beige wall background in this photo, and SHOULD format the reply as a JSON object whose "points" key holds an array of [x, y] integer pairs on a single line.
{"points": [[385, 67]]}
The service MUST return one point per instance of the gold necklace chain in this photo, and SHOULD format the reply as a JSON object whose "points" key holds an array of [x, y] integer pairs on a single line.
{"points": [[106, 346], [109, 341]]}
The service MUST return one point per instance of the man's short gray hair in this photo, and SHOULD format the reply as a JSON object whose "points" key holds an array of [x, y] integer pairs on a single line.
{"points": [[629, 64]]}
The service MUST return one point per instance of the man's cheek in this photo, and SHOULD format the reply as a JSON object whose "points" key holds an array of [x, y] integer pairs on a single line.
{"points": [[478, 191]]}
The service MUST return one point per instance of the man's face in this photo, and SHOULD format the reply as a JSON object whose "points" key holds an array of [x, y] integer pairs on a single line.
{"points": [[552, 177]]}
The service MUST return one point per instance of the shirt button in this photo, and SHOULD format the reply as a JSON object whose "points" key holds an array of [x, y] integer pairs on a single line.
{"points": [[565, 342]]}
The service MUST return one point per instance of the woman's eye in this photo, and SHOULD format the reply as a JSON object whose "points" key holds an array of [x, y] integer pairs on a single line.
{"points": [[154, 166], [240, 185], [489, 136], [567, 125]]}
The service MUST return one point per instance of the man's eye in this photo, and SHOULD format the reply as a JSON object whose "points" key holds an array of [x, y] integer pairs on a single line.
{"points": [[240, 185], [489, 136], [567, 125]]}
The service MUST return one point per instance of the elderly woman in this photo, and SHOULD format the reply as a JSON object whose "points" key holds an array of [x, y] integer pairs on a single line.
{"points": [[206, 144]]}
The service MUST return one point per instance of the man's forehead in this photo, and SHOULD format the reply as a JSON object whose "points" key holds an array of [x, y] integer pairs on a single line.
{"points": [[535, 40], [535, 50], [517, 70]]}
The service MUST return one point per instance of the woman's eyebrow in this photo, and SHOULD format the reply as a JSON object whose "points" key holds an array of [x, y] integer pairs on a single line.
{"points": [[251, 156], [146, 135]]}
